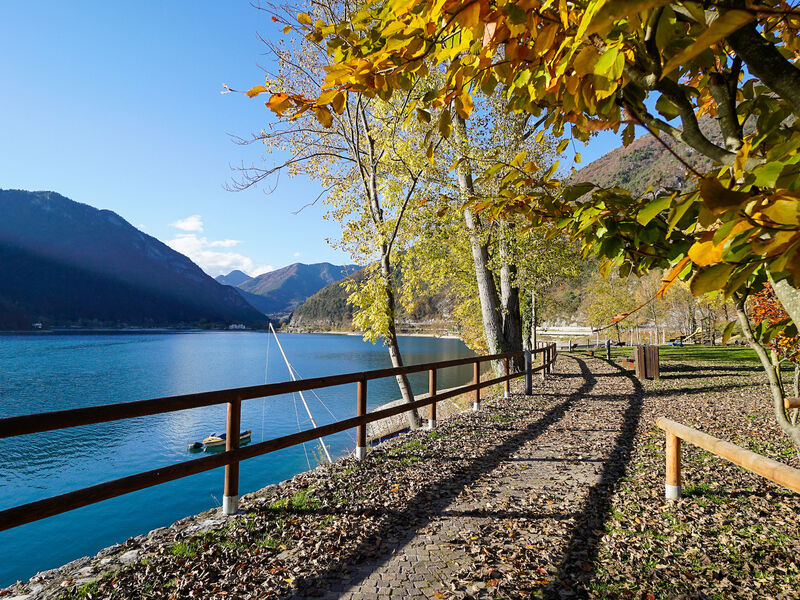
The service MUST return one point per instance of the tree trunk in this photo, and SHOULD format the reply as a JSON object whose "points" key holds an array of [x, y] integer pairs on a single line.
{"points": [[509, 297], [773, 378], [487, 290], [789, 297], [396, 357]]}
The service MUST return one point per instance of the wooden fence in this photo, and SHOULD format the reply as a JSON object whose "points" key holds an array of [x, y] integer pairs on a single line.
{"points": [[233, 455], [780, 473]]}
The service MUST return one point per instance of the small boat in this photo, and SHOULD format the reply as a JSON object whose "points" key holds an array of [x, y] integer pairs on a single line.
{"points": [[217, 440], [195, 446]]}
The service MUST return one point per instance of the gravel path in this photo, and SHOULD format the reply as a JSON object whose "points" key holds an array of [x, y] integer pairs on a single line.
{"points": [[559, 456]]}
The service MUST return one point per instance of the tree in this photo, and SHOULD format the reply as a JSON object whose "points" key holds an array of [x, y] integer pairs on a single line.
{"points": [[350, 149], [592, 64]]}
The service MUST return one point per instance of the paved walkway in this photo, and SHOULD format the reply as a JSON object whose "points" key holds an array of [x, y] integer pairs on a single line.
{"points": [[545, 492]]}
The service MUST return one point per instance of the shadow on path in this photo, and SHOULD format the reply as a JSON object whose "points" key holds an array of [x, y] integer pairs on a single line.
{"points": [[435, 497], [579, 560]]}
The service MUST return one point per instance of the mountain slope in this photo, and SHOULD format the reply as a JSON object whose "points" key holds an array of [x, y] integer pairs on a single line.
{"points": [[283, 290], [65, 262], [646, 162]]}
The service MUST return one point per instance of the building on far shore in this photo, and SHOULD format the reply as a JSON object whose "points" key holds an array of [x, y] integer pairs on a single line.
{"points": [[236, 326]]}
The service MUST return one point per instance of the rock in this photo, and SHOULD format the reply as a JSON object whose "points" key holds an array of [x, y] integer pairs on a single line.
{"points": [[130, 557]]}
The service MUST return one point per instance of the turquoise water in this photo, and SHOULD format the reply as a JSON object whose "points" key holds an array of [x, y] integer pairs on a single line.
{"points": [[40, 373]]}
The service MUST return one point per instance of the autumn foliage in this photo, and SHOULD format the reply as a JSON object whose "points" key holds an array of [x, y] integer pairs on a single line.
{"points": [[766, 311]]}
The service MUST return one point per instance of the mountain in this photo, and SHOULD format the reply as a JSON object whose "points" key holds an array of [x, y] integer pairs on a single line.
{"points": [[234, 278], [328, 310], [283, 290], [66, 263], [646, 162]]}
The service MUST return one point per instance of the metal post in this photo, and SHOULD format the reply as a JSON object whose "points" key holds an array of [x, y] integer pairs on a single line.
{"points": [[528, 373], [569, 345], [672, 489], [507, 389], [476, 377], [431, 394], [361, 410], [608, 349], [230, 496]]}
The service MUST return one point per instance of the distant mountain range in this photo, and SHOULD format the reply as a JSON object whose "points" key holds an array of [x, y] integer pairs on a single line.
{"points": [[66, 263], [278, 293]]}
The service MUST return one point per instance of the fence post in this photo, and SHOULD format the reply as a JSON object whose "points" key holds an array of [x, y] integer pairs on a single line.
{"points": [[569, 345], [544, 360], [608, 349], [507, 382], [431, 394], [230, 495], [476, 377], [528, 373], [672, 489], [361, 410]]}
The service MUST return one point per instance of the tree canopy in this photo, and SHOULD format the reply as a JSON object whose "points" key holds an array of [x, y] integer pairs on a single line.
{"points": [[583, 66]]}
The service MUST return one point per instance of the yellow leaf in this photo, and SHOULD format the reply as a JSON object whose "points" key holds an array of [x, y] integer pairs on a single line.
{"points": [[287, 29], [577, 157], [784, 212], [704, 252], [339, 102], [470, 17], [326, 96], [253, 92], [445, 124], [304, 19], [423, 115], [725, 25], [324, 116], [667, 282], [545, 38], [463, 105]]}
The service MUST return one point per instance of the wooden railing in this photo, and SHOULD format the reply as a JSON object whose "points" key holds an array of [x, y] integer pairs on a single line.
{"points": [[233, 454], [780, 473]]}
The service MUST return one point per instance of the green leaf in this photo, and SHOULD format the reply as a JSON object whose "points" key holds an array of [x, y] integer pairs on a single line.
{"points": [[573, 192], [562, 145], [648, 212], [767, 174], [606, 64], [667, 108], [709, 279]]}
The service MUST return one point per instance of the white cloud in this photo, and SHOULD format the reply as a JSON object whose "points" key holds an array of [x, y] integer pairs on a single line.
{"points": [[193, 223], [297, 254], [261, 270]]}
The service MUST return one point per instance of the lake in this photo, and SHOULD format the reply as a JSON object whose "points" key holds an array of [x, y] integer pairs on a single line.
{"points": [[45, 372]]}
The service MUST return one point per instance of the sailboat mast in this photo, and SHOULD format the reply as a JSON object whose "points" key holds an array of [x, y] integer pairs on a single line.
{"points": [[302, 397]]}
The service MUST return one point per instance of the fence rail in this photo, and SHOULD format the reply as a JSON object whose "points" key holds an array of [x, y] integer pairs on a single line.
{"points": [[782, 474], [233, 454]]}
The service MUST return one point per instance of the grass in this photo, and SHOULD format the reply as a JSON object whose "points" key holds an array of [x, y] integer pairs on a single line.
{"points": [[692, 352], [300, 501]]}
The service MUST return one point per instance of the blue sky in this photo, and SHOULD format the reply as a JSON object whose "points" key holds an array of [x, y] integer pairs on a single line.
{"points": [[118, 105]]}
